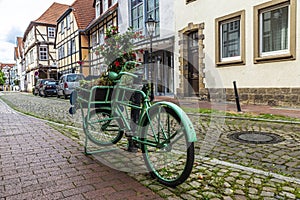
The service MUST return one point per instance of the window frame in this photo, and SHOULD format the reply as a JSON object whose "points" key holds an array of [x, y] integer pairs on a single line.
{"points": [[98, 13], [69, 44], [148, 11], [236, 60], [133, 7], [31, 56], [43, 51], [280, 55], [73, 46], [51, 32], [62, 27], [101, 36], [94, 40], [68, 21]]}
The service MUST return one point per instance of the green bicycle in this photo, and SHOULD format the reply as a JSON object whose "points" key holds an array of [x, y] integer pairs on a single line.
{"points": [[162, 130]]}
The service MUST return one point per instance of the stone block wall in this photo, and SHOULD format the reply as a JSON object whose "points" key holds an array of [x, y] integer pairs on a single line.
{"points": [[264, 96]]}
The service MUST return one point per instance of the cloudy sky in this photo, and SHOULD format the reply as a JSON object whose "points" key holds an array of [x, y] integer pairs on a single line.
{"points": [[15, 16]]}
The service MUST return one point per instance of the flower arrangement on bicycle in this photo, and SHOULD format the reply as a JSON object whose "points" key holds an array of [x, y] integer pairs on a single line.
{"points": [[117, 49]]}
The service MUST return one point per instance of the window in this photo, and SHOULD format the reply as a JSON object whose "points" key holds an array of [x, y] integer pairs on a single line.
{"points": [[105, 5], [68, 22], [274, 31], [43, 53], [62, 27], [61, 52], [70, 48], [137, 15], [138, 18], [31, 56], [230, 39], [73, 46], [51, 32], [153, 11], [94, 39], [97, 9], [101, 36]]}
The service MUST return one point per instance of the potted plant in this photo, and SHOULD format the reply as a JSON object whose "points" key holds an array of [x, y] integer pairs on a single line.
{"points": [[117, 49]]}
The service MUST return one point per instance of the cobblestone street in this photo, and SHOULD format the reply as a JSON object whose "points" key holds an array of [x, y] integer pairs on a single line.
{"points": [[230, 162]]}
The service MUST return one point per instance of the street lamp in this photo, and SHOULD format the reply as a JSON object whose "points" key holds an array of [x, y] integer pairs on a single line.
{"points": [[150, 26]]}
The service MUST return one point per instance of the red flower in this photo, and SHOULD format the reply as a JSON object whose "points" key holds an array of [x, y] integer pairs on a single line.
{"points": [[141, 51], [117, 63], [80, 62], [97, 52]]}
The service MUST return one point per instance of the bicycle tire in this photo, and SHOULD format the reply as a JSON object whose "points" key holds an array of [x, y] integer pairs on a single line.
{"points": [[172, 164], [103, 129]]}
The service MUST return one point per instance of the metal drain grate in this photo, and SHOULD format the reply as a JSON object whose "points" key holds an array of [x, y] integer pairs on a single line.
{"points": [[256, 137]]}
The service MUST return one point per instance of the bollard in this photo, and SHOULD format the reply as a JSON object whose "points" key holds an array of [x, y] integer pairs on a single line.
{"points": [[237, 99]]}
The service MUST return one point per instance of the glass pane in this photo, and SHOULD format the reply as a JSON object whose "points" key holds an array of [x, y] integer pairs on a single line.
{"points": [[156, 15], [140, 10], [275, 30], [150, 5], [141, 22], [230, 39], [134, 13]]}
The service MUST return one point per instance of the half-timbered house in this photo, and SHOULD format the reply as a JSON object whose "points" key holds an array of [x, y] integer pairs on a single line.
{"points": [[106, 15], [39, 52], [71, 41], [19, 58]]}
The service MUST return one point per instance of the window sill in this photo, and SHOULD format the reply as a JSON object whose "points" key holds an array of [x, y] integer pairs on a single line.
{"points": [[230, 63], [274, 58]]}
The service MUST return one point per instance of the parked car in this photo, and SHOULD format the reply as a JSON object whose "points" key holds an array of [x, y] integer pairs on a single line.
{"points": [[67, 83], [39, 84], [48, 89]]}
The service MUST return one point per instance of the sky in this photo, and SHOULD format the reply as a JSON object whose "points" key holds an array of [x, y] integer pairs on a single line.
{"points": [[15, 17]]}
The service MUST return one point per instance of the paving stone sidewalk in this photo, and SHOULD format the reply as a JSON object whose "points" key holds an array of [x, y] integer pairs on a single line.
{"points": [[228, 170], [37, 162]]}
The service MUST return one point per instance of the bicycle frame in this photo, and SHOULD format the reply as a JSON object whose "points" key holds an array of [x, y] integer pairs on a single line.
{"points": [[144, 115]]}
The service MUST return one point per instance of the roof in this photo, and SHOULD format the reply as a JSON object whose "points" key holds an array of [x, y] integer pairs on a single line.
{"points": [[84, 12], [16, 53], [99, 19], [7, 64], [19, 48], [49, 17], [52, 13]]}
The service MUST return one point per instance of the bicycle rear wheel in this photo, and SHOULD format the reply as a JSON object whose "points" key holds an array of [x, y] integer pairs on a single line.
{"points": [[102, 128], [168, 154]]}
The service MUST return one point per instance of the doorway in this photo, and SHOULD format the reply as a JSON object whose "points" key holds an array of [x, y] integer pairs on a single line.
{"points": [[193, 64]]}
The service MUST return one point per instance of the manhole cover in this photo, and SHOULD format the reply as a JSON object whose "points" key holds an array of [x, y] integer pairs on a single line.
{"points": [[255, 137]]}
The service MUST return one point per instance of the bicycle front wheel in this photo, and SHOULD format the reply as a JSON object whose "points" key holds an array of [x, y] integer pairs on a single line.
{"points": [[102, 128], [168, 154]]}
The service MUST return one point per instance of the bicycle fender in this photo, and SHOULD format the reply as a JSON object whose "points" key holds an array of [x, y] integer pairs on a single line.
{"points": [[185, 120]]}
